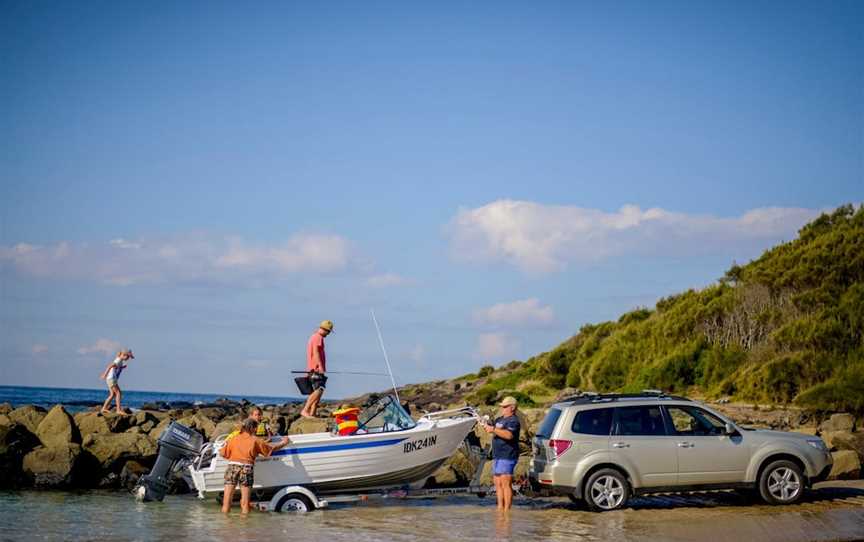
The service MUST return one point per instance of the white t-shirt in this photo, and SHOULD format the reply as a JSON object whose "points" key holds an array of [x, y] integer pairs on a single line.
{"points": [[114, 372]]}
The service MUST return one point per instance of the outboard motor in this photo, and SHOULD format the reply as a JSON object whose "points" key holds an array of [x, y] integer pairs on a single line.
{"points": [[177, 444]]}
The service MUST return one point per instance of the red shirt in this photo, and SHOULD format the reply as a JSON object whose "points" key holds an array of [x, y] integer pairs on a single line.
{"points": [[316, 343]]}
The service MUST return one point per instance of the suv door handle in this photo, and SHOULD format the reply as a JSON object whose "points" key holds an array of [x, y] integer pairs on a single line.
{"points": [[684, 445], [620, 445]]}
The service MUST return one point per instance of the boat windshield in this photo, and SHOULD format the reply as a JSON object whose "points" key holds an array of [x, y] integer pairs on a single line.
{"points": [[385, 415]]}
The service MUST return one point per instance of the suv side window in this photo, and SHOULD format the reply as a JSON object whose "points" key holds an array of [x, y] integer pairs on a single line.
{"points": [[593, 422], [639, 421], [692, 421]]}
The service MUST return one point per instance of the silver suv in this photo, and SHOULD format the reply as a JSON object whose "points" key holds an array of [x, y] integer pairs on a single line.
{"points": [[605, 448]]}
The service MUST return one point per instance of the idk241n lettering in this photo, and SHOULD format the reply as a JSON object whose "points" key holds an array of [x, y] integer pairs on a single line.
{"points": [[419, 444]]}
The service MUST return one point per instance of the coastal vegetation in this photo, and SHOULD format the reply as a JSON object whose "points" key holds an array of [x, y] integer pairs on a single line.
{"points": [[786, 328]]}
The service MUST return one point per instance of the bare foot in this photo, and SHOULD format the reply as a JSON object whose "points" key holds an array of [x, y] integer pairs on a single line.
{"points": [[105, 411], [121, 413]]}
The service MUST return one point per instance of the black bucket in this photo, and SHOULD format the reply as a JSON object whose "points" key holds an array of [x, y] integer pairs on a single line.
{"points": [[304, 384]]}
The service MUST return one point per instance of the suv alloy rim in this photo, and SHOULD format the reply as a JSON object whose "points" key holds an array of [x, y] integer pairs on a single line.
{"points": [[784, 484], [607, 492]]}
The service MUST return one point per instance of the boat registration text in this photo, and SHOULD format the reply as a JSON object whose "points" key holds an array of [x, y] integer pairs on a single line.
{"points": [[414, 445]]}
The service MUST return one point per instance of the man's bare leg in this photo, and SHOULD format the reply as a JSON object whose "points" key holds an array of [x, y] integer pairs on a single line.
{"points": [[228, 497], [117, 395], [507, 490], [245, 498]]}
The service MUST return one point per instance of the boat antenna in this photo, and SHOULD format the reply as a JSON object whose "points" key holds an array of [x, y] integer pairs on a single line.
{"points": [[386, 359]]}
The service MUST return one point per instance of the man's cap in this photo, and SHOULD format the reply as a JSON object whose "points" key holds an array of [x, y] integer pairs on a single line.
{"points": [[326, 324], [131, 355], [509, 401]]}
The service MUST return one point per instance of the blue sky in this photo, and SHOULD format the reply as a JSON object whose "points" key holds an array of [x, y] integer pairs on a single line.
{"points": [[204, 183]]}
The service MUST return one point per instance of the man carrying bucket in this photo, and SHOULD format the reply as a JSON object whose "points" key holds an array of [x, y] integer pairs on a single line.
{"points": [[316, 366]]}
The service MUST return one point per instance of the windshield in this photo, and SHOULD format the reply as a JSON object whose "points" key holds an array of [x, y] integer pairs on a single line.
{"points": [[384, 415]]}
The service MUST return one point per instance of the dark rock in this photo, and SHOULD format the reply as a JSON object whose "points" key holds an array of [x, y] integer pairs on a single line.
{"points": [[156, 405], [131, 472], [212, 413], [181, 404], [15, 443], [54, 467]]}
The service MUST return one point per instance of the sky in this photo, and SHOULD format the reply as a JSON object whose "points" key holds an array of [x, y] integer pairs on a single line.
{"points": [[204, 182]]}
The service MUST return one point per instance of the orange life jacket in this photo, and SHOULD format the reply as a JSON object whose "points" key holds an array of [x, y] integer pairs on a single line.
{"points": [[346, 420]]}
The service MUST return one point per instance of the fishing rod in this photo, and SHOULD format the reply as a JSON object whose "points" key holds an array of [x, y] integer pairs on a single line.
{"points": [[341, 373], [386, 359]]}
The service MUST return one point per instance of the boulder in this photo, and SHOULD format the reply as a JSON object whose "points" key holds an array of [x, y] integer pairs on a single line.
{"points": [[304, 426], [147, 427], [847, 466], [5, 420], [6, 408], [830, 438], [142, 417], [456, 471], [101, 422], [227, 425], [213, 414], [29, 416], [15, 442], [130, 474], [838, 422], [156, 431], [57, 428], [112, 449], [850, 441], [200, 423], [158, 405], [54, 466]]}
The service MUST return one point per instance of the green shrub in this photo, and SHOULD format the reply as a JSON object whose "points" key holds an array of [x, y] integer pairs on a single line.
{"points": [[485, 371]]}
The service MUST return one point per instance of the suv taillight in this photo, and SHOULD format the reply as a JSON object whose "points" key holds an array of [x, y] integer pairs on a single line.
{"points": [[560, 446]]}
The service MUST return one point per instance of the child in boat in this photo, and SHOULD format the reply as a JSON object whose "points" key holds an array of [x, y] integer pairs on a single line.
{"points": [[241, 452], [111, 376]]}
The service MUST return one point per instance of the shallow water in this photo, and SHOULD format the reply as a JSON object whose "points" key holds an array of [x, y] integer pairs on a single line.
{"points": [[828, 514]]}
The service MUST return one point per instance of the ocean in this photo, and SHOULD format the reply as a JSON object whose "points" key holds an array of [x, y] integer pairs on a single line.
{"points": [[77, 399]]}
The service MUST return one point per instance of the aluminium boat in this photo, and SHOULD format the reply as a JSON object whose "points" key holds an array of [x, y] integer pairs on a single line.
{"points": [[390, 449]]}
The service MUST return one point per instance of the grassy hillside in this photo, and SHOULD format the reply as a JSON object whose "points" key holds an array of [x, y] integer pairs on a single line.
{"points": [[785, 328]]}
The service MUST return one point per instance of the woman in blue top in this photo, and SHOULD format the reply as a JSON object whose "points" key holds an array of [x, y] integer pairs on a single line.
{"points": [[111, 376], [505, 451]]}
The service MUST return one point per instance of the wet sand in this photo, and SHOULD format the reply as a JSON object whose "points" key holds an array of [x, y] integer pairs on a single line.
{"points": [[834, 511]]}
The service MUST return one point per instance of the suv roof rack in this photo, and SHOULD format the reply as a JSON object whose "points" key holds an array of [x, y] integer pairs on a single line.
{"points": [[594, 397]]}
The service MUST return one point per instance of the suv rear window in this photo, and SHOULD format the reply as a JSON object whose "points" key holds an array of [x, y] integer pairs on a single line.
{"points": [[639, 420], [548, 424], [593, 422]]}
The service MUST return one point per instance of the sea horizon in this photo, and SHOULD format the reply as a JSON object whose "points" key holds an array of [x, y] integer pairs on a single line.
{"points": [[76, 399]]}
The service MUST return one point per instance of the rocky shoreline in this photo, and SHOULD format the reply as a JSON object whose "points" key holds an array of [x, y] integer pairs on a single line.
{"points": [[53, 449]]}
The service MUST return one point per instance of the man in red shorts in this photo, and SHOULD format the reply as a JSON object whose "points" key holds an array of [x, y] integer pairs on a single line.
{"points": [[316, 365]]}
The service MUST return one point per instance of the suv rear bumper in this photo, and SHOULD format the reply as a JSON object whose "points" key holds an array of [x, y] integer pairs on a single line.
{"points": [[552, 489]]}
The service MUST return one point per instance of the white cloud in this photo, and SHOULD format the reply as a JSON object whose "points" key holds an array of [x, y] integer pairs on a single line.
{"points": [[387, 279], [39, 349], [518, 313], [539, 238], [496, 347], [101, 346], [180, 258]]}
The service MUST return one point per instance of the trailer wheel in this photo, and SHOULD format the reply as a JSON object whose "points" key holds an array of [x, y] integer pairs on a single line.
{"points": [[294, 502]]}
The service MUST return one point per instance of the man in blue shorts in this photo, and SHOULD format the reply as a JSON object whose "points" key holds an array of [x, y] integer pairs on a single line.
{"points": [[505, 451]]}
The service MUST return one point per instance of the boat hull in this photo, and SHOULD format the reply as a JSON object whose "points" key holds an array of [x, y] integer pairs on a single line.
{"points": [[330, 463]]}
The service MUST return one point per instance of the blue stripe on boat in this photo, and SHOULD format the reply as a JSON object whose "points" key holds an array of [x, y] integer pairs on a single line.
{"points": [[338, 447]]}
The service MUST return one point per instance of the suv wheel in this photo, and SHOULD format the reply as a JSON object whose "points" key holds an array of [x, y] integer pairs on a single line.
{"points": [[607, 489], [782, 482]]}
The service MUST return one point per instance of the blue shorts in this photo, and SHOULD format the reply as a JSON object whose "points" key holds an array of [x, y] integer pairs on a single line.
{"points": [[503, 466]]}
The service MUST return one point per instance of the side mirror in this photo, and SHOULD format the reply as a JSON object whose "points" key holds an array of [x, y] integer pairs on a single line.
{"points": [[730, 430]]}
